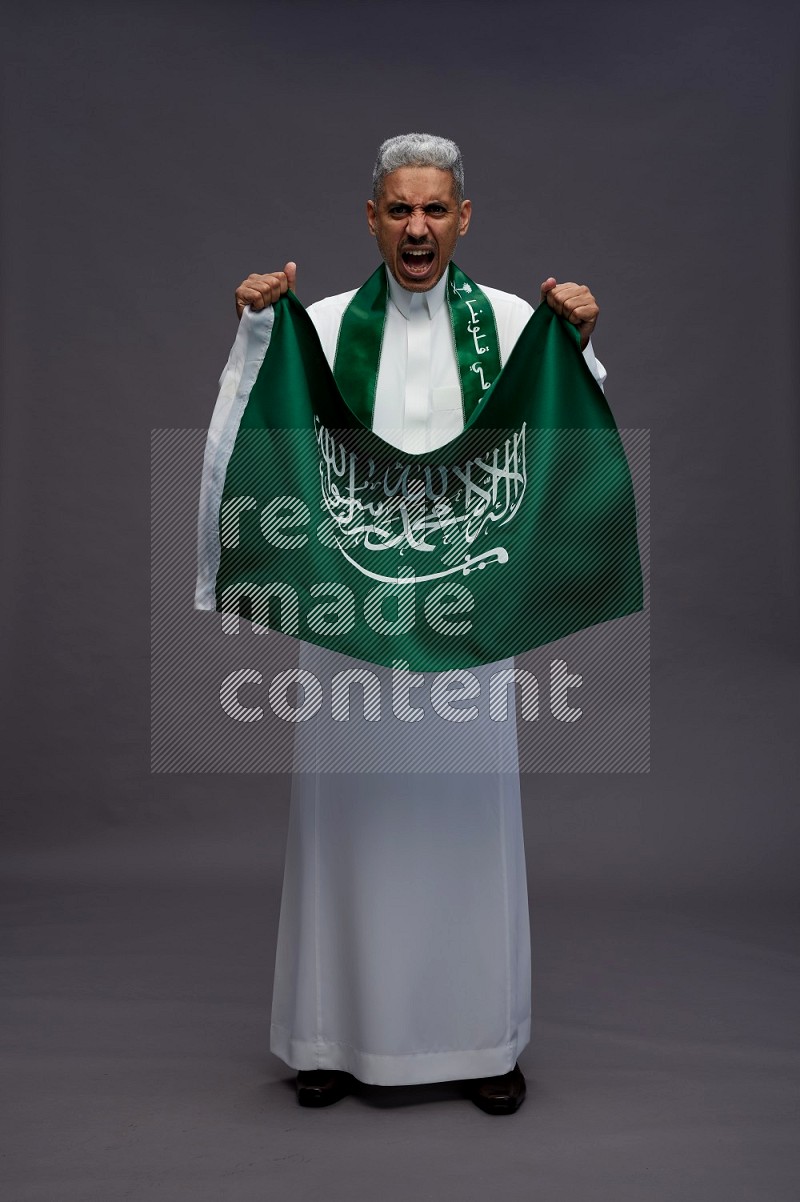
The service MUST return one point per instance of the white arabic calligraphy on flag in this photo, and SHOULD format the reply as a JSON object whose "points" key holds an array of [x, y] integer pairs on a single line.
{"points": [[441, 509]]}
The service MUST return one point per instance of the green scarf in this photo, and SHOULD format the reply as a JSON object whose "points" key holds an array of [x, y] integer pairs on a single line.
{"points": [[358, 348]]}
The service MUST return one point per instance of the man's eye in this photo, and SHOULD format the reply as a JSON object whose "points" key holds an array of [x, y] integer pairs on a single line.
{"points": [[436, 210], [398, 210]]}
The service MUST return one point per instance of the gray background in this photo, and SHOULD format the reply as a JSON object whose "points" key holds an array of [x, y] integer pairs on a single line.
{"points": [[153, 155]]}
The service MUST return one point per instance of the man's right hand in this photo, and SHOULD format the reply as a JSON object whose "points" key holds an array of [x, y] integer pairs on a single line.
{"points": [[259, 291]]}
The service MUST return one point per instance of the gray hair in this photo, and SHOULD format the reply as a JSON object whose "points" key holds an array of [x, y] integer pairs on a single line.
{"points": [[418, 150]]}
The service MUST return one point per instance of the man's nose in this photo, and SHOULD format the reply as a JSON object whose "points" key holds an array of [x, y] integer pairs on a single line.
{"points": [[417, 224]]}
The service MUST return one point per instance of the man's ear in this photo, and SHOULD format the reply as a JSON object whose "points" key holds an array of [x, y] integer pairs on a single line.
{"points": [[371, 217], [464, 216]]}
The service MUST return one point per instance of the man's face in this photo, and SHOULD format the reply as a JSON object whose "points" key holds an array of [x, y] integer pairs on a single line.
{"points": [[417, 222]]}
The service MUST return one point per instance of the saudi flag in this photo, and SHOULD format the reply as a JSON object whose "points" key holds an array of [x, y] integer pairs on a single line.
{"points": [[520, 530]]}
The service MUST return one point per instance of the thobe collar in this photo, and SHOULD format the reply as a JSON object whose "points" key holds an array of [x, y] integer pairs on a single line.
{"points": [[403, 299]]}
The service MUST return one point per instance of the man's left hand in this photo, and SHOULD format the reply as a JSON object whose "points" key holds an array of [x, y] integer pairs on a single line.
{"points": [[575, 303]]}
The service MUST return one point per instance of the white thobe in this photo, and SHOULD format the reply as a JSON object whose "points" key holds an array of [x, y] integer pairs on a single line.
{"points": [[403, 950]]}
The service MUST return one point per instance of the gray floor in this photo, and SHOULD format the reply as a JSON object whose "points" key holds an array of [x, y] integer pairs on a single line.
{"points": [[663, 1064]]}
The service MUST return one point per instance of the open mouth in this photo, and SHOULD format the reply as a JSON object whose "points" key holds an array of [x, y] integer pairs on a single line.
{"points": [[417, 262]]}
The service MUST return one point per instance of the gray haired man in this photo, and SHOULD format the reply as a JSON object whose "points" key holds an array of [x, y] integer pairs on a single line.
{"points": [[404, 945]]}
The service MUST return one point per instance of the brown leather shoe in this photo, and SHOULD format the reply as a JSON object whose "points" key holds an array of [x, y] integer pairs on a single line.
{"points": [[499, 1095], [322, 1086]]}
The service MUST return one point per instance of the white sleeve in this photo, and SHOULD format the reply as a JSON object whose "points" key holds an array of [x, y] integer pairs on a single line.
{"points": [[594, 364], [237, 379]]}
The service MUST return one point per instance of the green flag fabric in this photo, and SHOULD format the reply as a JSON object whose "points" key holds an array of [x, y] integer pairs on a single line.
{"points": [[520, 530]]}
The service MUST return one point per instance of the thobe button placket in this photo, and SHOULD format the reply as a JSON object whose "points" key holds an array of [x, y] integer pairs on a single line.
{"points": [[417, 393]]}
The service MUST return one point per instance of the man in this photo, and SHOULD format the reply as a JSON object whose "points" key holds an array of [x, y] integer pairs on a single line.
{"points": [[404, 947]]}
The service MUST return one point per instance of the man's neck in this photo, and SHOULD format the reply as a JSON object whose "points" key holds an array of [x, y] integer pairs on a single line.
{"points": [[433, 298]]}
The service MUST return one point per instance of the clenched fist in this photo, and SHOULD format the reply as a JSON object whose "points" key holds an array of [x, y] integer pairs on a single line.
{"points": [[575, 303], [259, 291]]}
